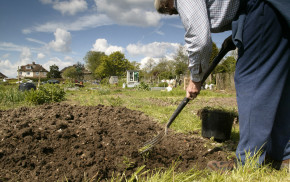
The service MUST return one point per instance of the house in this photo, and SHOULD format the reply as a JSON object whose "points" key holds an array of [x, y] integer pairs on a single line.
{"points": [[87, 74], [32, 71], [2, 76]]}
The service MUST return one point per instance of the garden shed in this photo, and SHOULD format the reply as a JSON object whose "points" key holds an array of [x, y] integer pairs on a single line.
{"points": [[113, 80], [132, 78]]}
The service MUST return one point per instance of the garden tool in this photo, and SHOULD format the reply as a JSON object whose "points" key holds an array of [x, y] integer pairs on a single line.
{"points": [[227, 46]]}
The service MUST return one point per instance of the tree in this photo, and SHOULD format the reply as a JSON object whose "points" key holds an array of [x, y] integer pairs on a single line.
{"points": [[136, 65], [164, 69], [53, 72], [230, 62], [147, 69], [80, 68], [149, 65], [181, 61], [227, 66], [70, 73], [93, 60], [214, 52], [113, 65]]}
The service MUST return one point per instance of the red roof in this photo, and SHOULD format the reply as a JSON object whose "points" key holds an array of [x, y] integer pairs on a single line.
{"points": [[33, 68]]}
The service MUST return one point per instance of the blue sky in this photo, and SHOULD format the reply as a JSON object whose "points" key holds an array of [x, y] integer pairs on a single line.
{"points": [[61, 32]]}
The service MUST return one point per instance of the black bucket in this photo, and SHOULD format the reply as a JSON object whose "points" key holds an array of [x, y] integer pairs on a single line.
{"points": [[216, 123], [26, 86]]}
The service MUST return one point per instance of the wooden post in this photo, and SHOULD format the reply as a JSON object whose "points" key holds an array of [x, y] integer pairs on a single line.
{"points": [[18, 76], [38, 80]]}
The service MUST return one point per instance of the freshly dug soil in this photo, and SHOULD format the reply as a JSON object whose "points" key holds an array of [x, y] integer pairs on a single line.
{"points": [[72, 143]]}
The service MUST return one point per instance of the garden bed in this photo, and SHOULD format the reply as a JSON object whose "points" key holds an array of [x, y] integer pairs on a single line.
{"points": [[72, 143]]}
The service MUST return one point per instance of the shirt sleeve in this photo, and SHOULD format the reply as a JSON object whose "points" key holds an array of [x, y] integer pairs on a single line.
{"points": [[194, 16]]}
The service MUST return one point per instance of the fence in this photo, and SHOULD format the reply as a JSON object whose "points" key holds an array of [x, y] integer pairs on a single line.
{"points": [[225, 81]]}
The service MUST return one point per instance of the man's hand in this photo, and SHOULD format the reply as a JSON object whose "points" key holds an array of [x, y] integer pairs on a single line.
{"points": [[193, 89]]}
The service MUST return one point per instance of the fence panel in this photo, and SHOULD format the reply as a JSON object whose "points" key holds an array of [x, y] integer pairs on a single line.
{"points": [[225, 81]]}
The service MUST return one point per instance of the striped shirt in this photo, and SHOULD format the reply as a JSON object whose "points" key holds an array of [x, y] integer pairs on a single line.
{"points": [[201, 18]]}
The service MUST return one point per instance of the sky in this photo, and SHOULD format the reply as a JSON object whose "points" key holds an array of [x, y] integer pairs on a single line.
{"points": [[61, 32]]}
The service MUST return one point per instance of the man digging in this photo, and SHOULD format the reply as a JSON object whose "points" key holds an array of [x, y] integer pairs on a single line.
{"points": [[260, 30]]}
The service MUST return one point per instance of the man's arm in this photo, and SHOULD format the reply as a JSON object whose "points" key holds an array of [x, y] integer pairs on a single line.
{"points": [[194, 16], [197, 36]]}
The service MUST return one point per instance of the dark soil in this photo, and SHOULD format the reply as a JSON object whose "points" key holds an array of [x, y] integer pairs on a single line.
{"points": [[72, 143]]}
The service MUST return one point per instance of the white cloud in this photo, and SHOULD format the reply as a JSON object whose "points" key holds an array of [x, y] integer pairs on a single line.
{"points": [[103, 46], [25, 56], [155, 49], [130, 12], [82, 23], [62, 41], [61, 64], [124, 12], [70, 7], [36, 41], [40, 56], [10, 69], [68, 58], [8, 46], [145, 60]]}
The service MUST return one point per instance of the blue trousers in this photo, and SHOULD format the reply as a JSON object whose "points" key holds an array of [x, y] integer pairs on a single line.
{"points": [[262, 81]]}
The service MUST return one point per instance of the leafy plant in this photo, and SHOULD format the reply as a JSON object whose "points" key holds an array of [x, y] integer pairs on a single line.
{"points": [[45, 94], [143, 86]]}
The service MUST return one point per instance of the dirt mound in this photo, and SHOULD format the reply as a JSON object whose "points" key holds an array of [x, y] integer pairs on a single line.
{"points": [[70, 142]]}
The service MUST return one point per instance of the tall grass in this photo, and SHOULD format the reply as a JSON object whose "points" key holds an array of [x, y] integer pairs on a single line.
{"points": [[250, 171], [11, 97]]}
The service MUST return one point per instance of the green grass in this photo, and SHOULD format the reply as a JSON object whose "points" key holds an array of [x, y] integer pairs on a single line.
{"points": [[249, 172]]}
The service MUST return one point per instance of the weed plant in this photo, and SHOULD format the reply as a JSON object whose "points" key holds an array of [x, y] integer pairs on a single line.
{"points": [[11, 96], [143, 86]]}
